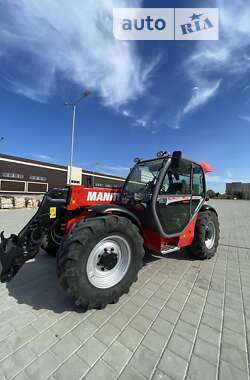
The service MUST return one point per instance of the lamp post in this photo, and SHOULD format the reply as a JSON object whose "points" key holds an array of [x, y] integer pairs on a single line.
{"points": [[95, 167], [74, 105]]}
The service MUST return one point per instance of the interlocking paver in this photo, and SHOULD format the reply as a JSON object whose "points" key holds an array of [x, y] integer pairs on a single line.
{"points": [[42, 342], [149, 312], [107, 333], [140, 323], [154, 341], [101, 371], [91, 350], [130, 373], [169, 315], [84, 330], [163, 327], [201, 369], [65, 346], [234, 356], [182, 318], [15, 363], [208, 334], [144, 361], [117, 356], [228, 372], [161, 376], [120, 319], [186, 330], [98, 318], [180, 346], [72, 369], [130, 337], [41, 368], [211, 321], [206, 351], [173, 365], [234, 338]]}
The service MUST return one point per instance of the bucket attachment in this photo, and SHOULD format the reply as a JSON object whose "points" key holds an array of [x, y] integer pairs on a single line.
{"points": [[12, 257]]}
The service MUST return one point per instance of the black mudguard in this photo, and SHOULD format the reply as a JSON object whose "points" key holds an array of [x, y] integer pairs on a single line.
{"points": [[207, 207], [115, 209], [99, 210]]}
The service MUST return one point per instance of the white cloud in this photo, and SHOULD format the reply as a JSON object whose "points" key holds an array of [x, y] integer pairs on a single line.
{"points": [[142, 122], [200, 96], [114, 169], [66, 41], [126, 113], [209, 62], [215, 179], [210, 178], [229, 174], [43, 157], [245, 118]]}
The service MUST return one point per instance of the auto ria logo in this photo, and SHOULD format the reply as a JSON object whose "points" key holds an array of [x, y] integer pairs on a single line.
{"points": [[166, 23]]}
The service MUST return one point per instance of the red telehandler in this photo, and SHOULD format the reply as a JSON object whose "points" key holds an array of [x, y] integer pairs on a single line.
{"points": [[100, 236]]}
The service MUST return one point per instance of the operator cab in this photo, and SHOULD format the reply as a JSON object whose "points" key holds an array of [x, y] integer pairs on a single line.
{"points": [[165, 193]]}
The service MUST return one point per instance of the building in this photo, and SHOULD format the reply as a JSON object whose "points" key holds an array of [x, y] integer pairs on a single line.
{"points": [[24, 176], [238, 190]]}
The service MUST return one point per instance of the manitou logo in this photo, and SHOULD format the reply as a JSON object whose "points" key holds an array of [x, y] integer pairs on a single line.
{"points": [[94, 196]]}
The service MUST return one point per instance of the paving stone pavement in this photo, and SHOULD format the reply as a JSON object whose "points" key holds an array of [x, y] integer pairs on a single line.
{"points": [[183, 319]]}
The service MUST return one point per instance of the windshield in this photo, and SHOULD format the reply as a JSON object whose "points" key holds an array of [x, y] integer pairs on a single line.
{"points": [[141, 180]]}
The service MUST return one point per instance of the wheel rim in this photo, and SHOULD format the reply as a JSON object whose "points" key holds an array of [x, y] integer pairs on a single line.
{"points": [[210, 235], [108, 262]]}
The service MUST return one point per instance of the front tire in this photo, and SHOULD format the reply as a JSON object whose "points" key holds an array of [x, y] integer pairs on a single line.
{"points": [[206, 237], [99, 260]]}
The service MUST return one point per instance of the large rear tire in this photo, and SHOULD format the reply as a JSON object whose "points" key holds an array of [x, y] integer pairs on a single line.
{"points": [[99, 260], [206, 237]]}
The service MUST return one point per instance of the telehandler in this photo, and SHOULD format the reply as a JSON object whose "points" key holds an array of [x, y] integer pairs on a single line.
{"points": [[100, 235]]}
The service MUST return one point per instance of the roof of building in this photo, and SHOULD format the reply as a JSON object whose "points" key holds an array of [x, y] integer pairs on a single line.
{"points": [[53, 165]]}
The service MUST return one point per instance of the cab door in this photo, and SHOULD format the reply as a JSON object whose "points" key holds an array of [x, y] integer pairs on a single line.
{"points": [[174, 201]]}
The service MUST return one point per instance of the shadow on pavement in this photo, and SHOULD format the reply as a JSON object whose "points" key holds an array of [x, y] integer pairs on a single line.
{"points": [[37, 284]]}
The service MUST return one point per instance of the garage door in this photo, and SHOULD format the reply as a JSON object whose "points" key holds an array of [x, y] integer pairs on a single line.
{"points": [[12, 185], [37, 187]]}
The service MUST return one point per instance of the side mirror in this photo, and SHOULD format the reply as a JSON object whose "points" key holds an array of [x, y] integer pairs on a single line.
{"points": [[176, 159]]}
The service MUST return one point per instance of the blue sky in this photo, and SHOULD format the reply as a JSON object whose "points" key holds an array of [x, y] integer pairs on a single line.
{"points": [[146, 96]]}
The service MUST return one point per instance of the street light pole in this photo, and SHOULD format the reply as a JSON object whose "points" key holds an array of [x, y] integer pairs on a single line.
{"points": [[74, 105], [72, 143]]}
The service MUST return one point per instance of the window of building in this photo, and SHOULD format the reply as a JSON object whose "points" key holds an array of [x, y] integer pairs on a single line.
{"points": [[37, 178], [13, 175]]}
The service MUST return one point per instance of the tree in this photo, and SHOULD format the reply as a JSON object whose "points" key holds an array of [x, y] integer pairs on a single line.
{"points": [[211, 194]]}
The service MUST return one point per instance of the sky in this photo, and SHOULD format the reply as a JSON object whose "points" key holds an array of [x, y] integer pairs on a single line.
{"points": [[146, 96]]}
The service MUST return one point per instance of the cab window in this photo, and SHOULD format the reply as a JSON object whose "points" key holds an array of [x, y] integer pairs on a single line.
{"points": [[198, 181], [177, 180]]}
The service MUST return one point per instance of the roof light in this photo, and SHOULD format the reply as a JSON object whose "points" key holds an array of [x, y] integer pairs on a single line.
{"points": [[162, 153]]}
